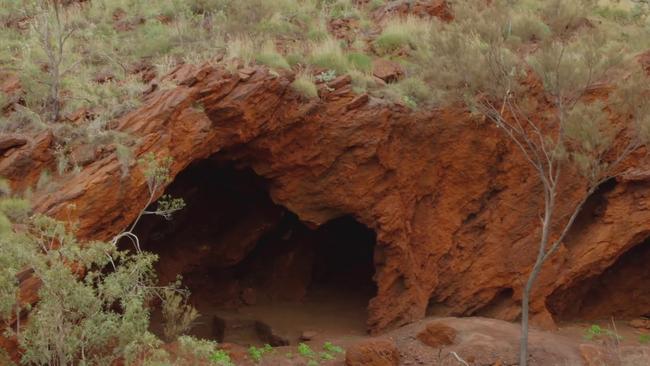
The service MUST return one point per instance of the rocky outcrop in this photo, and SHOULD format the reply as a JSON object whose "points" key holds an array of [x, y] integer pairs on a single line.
{"points": [[454, 205]]}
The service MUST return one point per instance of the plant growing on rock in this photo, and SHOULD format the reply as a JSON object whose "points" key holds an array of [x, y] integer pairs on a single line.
{"points": [[53, 28], [257, 353], [305, 86], [545, 103], [93, 297]]}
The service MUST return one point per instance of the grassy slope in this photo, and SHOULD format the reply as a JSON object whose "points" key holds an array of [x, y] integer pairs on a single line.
{"points": [[117, 46]]}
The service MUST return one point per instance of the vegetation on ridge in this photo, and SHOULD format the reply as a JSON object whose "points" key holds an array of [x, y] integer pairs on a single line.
{"points": [[535, 69]]}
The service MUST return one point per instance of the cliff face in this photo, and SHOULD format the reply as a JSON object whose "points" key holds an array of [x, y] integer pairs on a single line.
{"points": [[453, 204]]}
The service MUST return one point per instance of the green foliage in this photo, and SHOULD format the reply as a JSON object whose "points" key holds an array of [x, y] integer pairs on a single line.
{"points": [[221, 358], [360, 61], [399, 33], [329, 347], [91, 295], [326, 76], [329, 55], [361, 82], [270, 57], [197, 347], [156, 171], [179, 316], [305, 351], [527, 27], [101, 307], [341, 9], [596, 332], [644, 338], [304, 85], [257, 353]]}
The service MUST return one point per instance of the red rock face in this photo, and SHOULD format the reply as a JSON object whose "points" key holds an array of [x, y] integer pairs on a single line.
{"points": [[454, 206]]}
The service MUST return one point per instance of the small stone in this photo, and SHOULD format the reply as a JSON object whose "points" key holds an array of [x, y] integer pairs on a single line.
{"points": [[640, 323], [373, 352], [357, 102], [340, 82], [437, 335], [308, 335], [10, 141], [386, 70]]}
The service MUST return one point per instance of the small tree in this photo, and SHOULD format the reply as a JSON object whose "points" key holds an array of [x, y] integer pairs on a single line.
{"points": [[53, 29], [539, 100], [93, 297]]}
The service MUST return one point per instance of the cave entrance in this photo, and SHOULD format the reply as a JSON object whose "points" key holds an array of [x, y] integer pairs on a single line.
{"points": [[620, 292], [256, 272]]}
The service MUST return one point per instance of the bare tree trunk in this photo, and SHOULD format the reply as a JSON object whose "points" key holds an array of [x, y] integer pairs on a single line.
{"points": [[549, 205]]}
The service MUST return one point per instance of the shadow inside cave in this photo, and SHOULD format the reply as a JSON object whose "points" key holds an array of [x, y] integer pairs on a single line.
{"points": [[619, 292], [256, 272]]}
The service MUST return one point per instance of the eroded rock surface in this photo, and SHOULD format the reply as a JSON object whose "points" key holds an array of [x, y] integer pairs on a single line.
{"points": [[454, 205]]}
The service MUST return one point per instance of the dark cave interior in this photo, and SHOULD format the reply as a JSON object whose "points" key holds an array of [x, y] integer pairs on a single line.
{"points": [[621, 291], [257, 274]]}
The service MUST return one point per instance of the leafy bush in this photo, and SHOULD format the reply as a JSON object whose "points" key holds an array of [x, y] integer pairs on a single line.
{"points": [[400, 33], [329, 55], [326, 76], [595, 331], [257, 353], [221, 358], [271, 57], [179, 316], [528, 27], [304, 85], [91, 294], [241, 48], [329, 347], [360, 61], [305, 351]]}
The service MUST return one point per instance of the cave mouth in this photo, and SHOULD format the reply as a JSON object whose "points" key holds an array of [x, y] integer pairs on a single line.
{"points": [[619, 292], [258, 274]]}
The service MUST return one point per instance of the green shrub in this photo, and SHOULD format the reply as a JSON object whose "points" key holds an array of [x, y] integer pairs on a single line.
{"points": [[528, 27], [294, 59], [340, 9], [257, 353], [329, 55], [360, 61], [317, 31], [305, 351], [277, 25], [221, 358], [155, 39], [178, 315], [361, 82], [241, 48], [271, 57], [596, 332], [401, 33], [644, 338], [614, 13], [329, 347], [91, 295], [326, 76], [305, 86]]}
